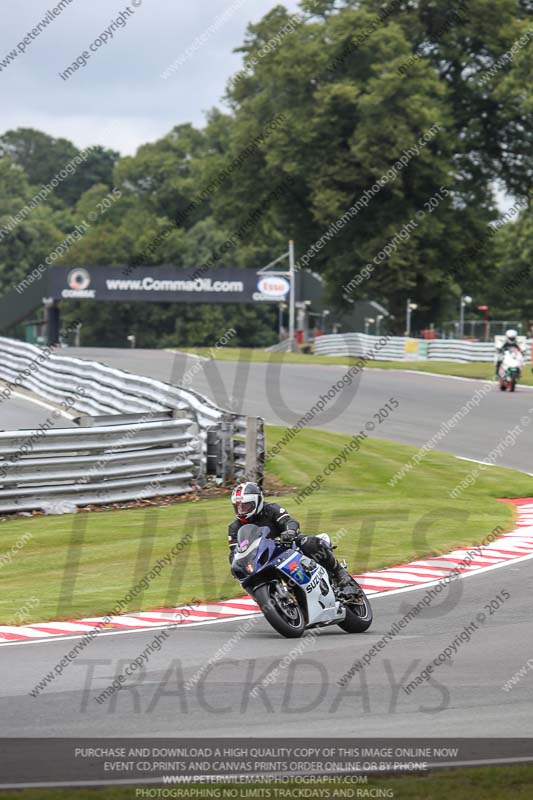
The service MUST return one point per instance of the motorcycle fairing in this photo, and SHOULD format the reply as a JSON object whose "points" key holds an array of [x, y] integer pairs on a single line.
{"points": [[294, 567], [321, 604]]}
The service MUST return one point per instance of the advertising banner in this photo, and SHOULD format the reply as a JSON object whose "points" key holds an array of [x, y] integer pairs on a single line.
{"points": [[166, 285], [411, 349]]}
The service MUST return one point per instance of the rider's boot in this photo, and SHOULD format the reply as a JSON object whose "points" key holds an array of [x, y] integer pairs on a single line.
{"points": [[344, 580], [337, 573]]}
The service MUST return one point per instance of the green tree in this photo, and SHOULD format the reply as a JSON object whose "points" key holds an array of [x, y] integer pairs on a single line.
{"points": [[309, 130], [359, 83], [42, 158], [511, 294], [26, 243]]}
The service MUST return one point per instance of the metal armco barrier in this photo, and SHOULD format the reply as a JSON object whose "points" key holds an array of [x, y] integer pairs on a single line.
{"points": [[403, 348], [138, 437], [359, 344], [96, 465]]}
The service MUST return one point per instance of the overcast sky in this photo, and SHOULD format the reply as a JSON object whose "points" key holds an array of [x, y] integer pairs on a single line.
{"points": [[119, 98]]}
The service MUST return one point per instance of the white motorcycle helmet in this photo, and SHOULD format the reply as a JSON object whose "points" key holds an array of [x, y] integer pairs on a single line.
{"points": [[510, 336], [248, 500]]}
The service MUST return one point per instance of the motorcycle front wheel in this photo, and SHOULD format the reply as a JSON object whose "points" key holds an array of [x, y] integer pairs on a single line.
{"points": [[280, 609]]}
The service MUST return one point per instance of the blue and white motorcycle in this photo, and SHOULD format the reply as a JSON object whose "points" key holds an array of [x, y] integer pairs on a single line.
{"points": [[293, 591]]}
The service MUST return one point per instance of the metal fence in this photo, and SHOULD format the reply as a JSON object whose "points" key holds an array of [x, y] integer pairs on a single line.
{"points": [[101, 464], [403, 348], [136, 437]]}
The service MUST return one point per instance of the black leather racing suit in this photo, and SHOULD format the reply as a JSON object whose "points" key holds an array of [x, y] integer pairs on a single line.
{"points": [[278, 520]]}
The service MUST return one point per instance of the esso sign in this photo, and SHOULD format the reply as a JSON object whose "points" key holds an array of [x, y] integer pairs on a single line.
{"points": [[273, 286]]}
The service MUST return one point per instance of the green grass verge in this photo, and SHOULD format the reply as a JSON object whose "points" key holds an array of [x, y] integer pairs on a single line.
{"points": [[82, 565], [486, 783], [477, 369], [260, 356]]}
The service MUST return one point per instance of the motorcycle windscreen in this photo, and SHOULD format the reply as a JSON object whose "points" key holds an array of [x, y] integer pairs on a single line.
{"points": [[247, 535], [249, 539]]}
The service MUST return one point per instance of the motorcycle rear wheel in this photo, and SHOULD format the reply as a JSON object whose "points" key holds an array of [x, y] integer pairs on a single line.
{"points": [[358, 616], [285, 619]]}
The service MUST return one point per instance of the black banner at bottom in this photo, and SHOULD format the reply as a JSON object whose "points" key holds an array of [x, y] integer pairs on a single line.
{"points": [[182, 762]]}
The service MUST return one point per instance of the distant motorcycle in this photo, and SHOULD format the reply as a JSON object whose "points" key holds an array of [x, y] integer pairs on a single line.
{"points": [[510, 370], [293, 591]]}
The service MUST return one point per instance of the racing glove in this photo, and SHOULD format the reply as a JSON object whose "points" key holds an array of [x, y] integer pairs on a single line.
{"points": [[289, 536]]}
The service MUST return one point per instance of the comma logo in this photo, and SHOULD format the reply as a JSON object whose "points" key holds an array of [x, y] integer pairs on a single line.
{"points": [[79, 278], [78, 281]]}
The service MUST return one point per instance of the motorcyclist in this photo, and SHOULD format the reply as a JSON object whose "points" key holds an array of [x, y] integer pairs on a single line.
{"points": [[250, 508], [510, 343]]}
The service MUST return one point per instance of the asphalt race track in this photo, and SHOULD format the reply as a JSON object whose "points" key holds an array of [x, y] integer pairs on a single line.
{"points": [[282, 394], [462, 698], [19, 413]]}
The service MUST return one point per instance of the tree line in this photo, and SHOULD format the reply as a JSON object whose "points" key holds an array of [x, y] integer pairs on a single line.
{"points": [[332, 106]]}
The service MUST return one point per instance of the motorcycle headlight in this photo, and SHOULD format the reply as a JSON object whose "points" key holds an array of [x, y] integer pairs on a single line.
{"points": [[249, 568]]}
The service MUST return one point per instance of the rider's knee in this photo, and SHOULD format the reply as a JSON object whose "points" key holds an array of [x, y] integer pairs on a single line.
{"points": [[315, 548], [310, 545]]}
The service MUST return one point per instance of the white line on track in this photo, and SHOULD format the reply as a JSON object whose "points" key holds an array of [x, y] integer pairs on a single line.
{"points": [[67, 637], [372, 596], [187, 355], [49, 406], [500, 466], [70, 415], [440, 375]]}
